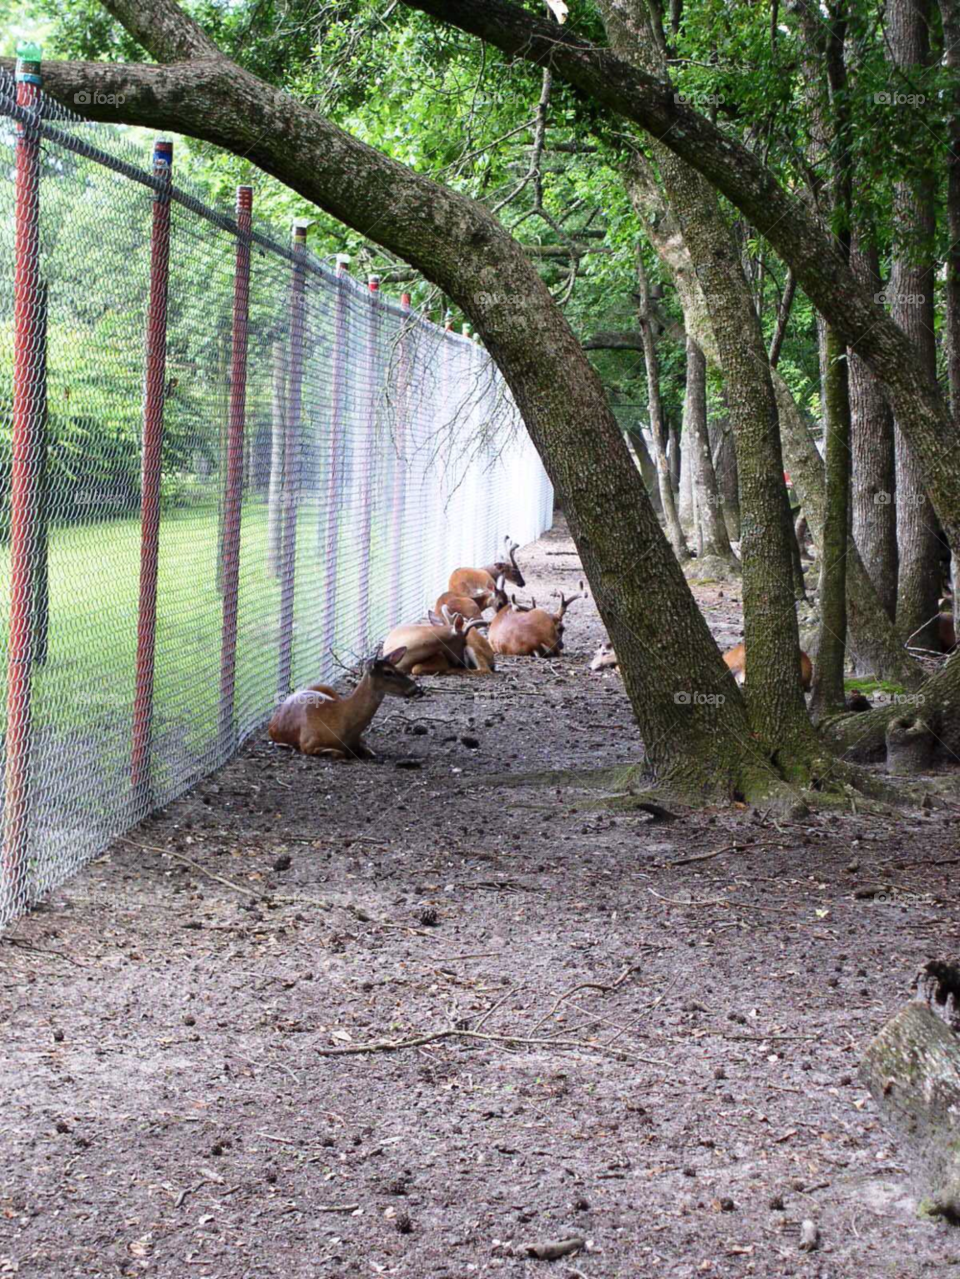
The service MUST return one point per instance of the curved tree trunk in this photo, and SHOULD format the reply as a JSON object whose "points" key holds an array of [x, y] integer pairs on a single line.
{"points": [[691, 715]]}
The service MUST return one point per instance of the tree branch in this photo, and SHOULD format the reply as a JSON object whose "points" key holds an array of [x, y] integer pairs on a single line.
{"points": [[747, 182]]}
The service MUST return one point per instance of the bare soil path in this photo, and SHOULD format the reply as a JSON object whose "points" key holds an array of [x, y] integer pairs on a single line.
{"points": [[168, 1107]]}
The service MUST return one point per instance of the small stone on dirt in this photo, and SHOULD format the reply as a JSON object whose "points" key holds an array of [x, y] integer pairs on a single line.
{"points": [[409, 763], [472, 742], [283, 862], [429, 917]]}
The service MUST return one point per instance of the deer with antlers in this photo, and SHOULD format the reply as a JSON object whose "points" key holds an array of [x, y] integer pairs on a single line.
{"points": [[523, 630], [480, 584], [437, 646]]}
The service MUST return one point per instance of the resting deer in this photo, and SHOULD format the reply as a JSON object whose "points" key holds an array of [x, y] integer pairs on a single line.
{"points": [[480, 654], [465, 605], [605, 658], [481, 583], [435, 647], [736, 660], [521, 631], [319, 721]]}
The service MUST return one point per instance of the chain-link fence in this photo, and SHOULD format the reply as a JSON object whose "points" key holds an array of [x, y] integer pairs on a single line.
{"points": [[222, 466]]}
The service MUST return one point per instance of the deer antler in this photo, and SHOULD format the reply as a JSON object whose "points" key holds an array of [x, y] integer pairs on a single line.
{"points": [[565, 603]]}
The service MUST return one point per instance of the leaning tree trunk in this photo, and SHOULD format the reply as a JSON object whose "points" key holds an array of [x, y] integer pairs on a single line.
{"points": [[874, 519], [912, 1070], [912, 284], [698, 745], [778, 711], [685, 506]]}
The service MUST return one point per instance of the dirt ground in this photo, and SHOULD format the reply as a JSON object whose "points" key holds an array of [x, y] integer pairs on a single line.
{"points": [[706, 986]]}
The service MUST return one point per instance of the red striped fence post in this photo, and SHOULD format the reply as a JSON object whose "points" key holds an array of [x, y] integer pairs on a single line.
{"points": [[291, 469], [233, 490], [400, 462], [335, 457], [26, 463], [151, 461], [369, 455]]}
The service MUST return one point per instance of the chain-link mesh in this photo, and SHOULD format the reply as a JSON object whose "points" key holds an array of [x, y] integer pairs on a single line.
{"points": [[198, 514]]}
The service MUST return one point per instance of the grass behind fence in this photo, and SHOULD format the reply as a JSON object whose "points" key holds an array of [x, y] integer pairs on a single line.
{"points": [[87, 682]]}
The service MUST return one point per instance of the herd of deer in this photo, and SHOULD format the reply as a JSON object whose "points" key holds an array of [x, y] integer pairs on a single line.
{"points": [[320, 721]]}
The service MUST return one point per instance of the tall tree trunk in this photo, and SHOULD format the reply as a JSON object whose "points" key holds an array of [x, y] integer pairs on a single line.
{"points": [[778, 711], [874, 519], [912, 285], [647, 468], [724, 456], [950, 15], [828, 692], [713, 539], [685, 506], [658, 425]]}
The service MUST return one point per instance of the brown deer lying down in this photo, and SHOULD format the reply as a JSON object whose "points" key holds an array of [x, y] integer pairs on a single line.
{"points": [[736, 660], [465, 605], [435, 647], [319, 721], [529, 632], [480, 584]]}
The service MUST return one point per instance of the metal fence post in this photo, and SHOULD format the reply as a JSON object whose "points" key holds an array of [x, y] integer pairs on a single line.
{"points": [[366, 479], [151, 462], [400, 465], [335, 459], [26, 450], [291, 469], [233, 496]]}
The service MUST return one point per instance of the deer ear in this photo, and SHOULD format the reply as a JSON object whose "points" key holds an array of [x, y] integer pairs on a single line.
{"points": [[396, 656], [433, 619], [501, 581]]}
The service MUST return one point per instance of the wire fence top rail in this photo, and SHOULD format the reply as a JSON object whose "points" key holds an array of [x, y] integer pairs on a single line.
{"points": [[225, 468]]}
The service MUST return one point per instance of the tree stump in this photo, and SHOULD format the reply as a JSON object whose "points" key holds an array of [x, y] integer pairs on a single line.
{"points": [[910, 745], [912, 1070]]}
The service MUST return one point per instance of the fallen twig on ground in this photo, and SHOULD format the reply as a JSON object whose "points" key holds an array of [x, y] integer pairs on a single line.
{"points": [[453, 1032]]}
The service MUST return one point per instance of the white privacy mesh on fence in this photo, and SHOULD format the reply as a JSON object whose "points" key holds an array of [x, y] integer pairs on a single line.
{"points": [[221, 464]]}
